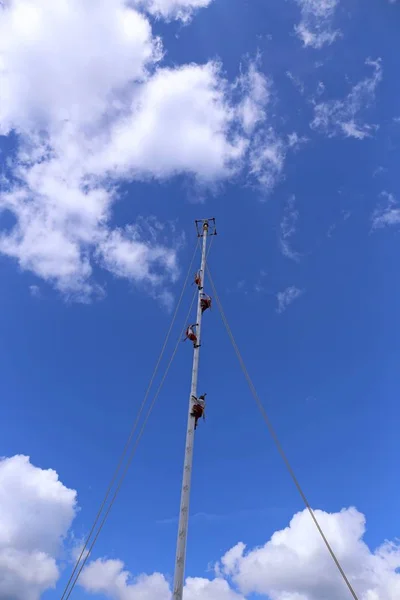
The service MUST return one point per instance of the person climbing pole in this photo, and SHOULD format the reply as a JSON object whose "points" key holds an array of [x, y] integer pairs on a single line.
{"points": [[190, 335], [198, 410], [197, 280], [205, 302]]}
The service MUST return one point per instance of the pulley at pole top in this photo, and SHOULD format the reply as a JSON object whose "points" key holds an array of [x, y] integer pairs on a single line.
{"points": [[207, 226]]}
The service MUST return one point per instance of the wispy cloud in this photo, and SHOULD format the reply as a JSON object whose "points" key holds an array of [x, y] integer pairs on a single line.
{"points": [[267, 159], [239, 287], [76, 548], [341, 117], [320, 88], [378, 171], [259, 286], [315, 27], [239, 514], [288, 229], [288, 224], [34, 291], [331, 229], [295, 140], [172, 9], [387, 214], [298, 84], [255, 91], [200, 516], [247, 287], [266, 150], [286, 297]]}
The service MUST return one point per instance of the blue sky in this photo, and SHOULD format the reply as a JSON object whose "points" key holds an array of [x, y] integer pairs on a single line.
{"points": [[282, 120]]}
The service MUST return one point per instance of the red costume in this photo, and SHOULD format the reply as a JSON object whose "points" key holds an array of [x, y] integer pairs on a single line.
{"points": [[197, 280], [205, 303], [190, 335], [198, 408]]}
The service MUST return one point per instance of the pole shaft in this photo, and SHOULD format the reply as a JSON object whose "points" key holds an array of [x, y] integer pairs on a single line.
{"points": [[180, 559]]}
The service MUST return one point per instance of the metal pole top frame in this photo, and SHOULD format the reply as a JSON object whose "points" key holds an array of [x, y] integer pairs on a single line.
{"points": [[207, 225]]}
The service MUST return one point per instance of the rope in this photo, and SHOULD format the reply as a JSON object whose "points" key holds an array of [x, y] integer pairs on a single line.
{"points": [[133, 451], [276, 439], [132, 432]]}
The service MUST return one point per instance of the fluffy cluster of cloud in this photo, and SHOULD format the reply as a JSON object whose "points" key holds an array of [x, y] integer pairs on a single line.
{"points": [[293, 565], [388, 213], [36, 511], [88, 106], [82, 86], [341, 117], [172, 9], [109, 577], [315, 27], [288, 296]]}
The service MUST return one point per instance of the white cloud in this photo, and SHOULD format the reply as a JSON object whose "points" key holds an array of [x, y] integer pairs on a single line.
{"points": [[341, 117], [296, 82], [295, 140], [291, 214], [79, 84], [198, 588], [266, 150], [255, 89], [295, 564], [172, 9], [179, 122], [36, 511], [76, 547], [288, 229], [56, 224], [67, 70], [34, 291], [388, 214], [267, 158], [315, 27], [379, 170], [288, 296], [125, 254], [65, 61], [82, 86], [110, 578], [320, 88]]}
